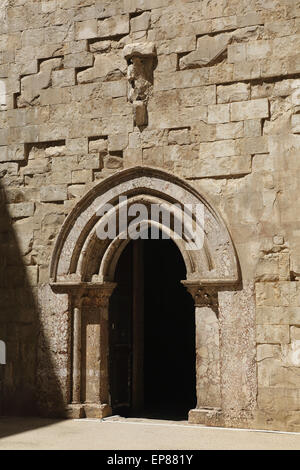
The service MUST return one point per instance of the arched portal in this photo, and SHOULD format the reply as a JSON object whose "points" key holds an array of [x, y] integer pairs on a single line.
{"points": [[84, 265]]}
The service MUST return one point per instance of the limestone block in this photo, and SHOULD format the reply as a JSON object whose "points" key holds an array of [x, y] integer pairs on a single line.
{"points": [[54, 193], [75, 146], [62, 78], [257, 50], [250, 19], [139, 49], [180, 137], [16, 153], [222, 148], [250, 110], [98, 145], [113, 162], [267, 351], [295, 124], [117, 142], [237, 53], [3, 154], [208, 49], [254, 145], [252, 127], [3, 99], [115, 89], [273, 334], [60, 177], [291, 352], [76, 191], [141, 22], [23, 209], [176, 117], [167, 62], [106, 66], [132, 157], [138, 5], [32, 85], [32, 274], [295, 333], [86, 29], [235, 92], [221, 166], [230, 130], [140, 113], [221, 73], [81, 176], [274, 400], [218, 113], [114, 26], [153, 157], [90, 162], [275, 315], [204, 95], [178, 45], [79, 59]]}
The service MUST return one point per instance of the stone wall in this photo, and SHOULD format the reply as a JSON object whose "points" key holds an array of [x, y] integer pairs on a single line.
{"points": [[212, 94]]}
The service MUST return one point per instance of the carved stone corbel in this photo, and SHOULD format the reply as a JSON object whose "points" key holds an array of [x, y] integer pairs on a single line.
{"points": [[141, 59]]}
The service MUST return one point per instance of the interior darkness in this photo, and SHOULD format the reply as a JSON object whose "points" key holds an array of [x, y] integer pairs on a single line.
{"points": [[169, 333], [169, 354]]}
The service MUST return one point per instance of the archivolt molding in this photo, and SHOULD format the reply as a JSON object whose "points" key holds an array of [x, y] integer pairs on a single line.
{"points": [[80, 257]]}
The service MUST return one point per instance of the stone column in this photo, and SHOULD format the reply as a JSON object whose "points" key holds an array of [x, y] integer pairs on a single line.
{"points": [[76, 355], [207, 355], [75, 409], [101, 407]]}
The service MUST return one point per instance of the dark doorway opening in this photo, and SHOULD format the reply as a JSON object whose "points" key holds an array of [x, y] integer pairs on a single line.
{"points": [[152, 333]]}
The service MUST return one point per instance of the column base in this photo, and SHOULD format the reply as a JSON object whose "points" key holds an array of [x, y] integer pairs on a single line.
{"points": [[206, 416], [74, 411], [91, 410], [97, 411]]}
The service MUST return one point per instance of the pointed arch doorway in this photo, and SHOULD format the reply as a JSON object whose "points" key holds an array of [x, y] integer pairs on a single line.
{"points": [[84, 266], [152, 333]]}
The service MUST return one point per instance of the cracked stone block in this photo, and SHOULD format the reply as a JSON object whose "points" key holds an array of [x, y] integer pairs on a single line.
{"points": [[106, 67], [208, 50], [32, 85]]}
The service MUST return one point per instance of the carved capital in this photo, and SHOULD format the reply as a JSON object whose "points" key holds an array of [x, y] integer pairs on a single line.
{"points": [[203, 296], [99, 296]]}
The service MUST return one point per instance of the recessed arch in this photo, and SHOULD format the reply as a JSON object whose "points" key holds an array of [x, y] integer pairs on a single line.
{"points": [[76, 259]]}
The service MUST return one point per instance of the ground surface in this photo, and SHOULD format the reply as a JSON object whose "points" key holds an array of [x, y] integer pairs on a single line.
{"points": [[118, 433]]}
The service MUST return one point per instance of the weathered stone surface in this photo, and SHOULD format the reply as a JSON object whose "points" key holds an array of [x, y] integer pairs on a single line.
{"points": [[86, 29], [231, 93], [208, 49], [113, 26], [106, 67], [249, 110], [24, 209], [53, 193], [207, 91]]}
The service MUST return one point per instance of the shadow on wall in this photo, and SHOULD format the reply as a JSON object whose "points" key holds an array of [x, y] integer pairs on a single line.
{"points": [[22, 332]]}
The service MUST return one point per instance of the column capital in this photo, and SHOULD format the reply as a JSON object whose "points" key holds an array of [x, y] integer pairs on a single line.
{"points": [[204, 296], [99, 295]]}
